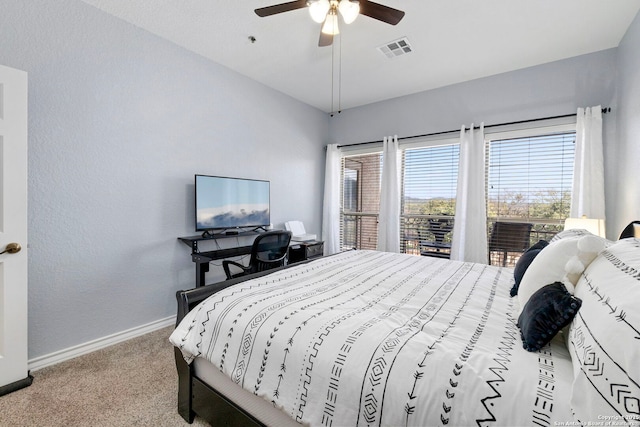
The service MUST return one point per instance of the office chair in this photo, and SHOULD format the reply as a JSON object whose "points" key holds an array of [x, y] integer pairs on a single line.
{"points": [[509, 237], [268, 251], [631, 230]]}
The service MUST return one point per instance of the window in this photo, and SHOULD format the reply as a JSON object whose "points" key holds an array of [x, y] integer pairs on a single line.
{"points": [[430, 176], [528, 180], [360, 201]]}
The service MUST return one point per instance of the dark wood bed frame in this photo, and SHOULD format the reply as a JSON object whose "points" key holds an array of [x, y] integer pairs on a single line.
{"points": [[195, 397]]}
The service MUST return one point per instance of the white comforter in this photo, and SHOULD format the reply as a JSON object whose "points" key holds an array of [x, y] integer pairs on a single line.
{"points": [[366, 338]]}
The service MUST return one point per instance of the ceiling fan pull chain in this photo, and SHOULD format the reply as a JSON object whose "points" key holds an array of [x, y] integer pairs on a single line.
{"points": [[340, 76], [332, 76]]}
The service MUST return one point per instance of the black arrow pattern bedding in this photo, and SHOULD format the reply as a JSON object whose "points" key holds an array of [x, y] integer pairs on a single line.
{"points": [[367, 338]]}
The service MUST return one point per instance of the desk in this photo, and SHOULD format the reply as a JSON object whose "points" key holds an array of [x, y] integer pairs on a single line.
{"points": [[202, 259]]}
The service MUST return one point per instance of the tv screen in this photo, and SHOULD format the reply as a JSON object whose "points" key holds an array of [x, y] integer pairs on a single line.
{"points": [[223, 202]]}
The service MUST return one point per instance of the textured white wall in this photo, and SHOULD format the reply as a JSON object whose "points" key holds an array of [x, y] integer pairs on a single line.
{"points": [[625, 164], [119, 122]]}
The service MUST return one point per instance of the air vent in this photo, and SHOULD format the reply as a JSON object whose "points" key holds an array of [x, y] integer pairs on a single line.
{"points": [[396, 48]]}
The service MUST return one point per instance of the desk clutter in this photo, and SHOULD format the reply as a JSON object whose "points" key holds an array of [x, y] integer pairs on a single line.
{"points": [[298, 233], [304, 251]]}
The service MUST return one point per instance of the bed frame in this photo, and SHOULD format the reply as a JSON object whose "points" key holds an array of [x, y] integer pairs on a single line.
{"points": [[195, 397]]}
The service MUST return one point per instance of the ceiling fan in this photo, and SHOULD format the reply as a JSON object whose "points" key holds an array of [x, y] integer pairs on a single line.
{"points": [[326, 13]]}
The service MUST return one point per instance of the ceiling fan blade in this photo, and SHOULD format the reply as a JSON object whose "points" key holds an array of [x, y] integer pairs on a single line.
{"points": [[280, 8], [325, 39], [380, 12]]}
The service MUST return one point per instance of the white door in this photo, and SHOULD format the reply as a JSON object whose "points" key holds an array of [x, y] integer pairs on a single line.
{"points": [[13, 230]]}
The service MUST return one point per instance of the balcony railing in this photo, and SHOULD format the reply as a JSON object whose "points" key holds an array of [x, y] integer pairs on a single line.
{"points": [[359, 230], [430, 235], [426, 235]]}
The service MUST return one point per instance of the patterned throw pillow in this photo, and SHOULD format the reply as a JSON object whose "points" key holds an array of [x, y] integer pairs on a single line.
{"points": [[548, 310], [604, 337]]}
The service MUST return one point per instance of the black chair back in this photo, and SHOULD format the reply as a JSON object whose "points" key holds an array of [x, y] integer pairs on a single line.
{"points": [[269, 250], [509, 237]]}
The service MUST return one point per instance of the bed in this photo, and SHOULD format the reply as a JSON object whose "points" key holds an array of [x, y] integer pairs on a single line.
{"points": [[366, 338]]}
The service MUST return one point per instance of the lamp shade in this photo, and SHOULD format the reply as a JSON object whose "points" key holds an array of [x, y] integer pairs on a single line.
{"points": [[349, 10], [592, 225], [318, 10]]}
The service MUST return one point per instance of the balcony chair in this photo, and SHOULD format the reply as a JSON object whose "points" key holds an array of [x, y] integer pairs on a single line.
{"points": [[269, 250], [438, 247], [509, 237]]}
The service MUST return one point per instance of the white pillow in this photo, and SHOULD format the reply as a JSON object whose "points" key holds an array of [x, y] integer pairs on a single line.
{"points": [[570, 234], [604, 337], [548, 267]]}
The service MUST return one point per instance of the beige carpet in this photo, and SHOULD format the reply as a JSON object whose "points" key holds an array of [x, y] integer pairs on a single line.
{"points": [[133, 383]]}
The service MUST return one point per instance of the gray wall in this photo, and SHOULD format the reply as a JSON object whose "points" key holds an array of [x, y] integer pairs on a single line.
{"points": [[119, 122], [552, 89], [626, 203]]}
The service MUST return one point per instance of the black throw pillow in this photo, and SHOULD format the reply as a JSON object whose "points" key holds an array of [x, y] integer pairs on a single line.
{"points": [[541, 244], [548, 310], [524, 262]]}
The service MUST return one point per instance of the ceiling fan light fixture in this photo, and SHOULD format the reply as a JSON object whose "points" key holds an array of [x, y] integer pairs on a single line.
{"points": [[318, 10], [330, 25], [349, 10]]}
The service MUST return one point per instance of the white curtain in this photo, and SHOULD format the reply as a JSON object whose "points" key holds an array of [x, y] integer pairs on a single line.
{"points": [[389, 214], [331, 204], [588, 171], [469, 241]]}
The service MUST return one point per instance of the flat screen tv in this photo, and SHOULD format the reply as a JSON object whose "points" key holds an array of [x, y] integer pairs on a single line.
{"points": [[227, 203]]}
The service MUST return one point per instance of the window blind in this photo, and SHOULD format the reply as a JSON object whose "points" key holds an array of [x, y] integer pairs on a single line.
{"points": [[529, 182], [430, 180], [530, 178]]}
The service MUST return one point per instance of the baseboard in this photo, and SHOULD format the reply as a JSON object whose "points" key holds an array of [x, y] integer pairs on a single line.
{"points": [[100, 343]]}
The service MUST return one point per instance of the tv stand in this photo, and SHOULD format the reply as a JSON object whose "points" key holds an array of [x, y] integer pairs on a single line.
{"points": [[202, 259]]}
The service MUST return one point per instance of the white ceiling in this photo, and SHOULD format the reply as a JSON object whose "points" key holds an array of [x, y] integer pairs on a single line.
{"points": [[453, 41]]}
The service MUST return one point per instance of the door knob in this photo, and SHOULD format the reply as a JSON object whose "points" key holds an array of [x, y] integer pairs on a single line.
{"points": [[12, 248]]}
